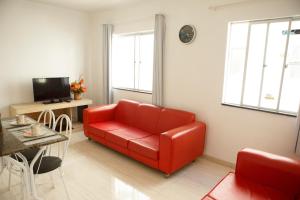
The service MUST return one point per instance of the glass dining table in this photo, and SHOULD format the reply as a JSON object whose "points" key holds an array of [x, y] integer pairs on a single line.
{"points": [[13, 141]]}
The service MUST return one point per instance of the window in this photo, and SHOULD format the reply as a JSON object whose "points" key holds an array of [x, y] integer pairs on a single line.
{"points": [[263, 65], [132, 61]]}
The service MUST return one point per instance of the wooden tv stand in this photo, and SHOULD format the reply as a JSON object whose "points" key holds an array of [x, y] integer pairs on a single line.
{"points": [[33, 109]]}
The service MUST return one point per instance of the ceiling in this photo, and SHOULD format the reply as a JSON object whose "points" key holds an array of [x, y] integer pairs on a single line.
{"points": [[99, 5], [89, 5]]}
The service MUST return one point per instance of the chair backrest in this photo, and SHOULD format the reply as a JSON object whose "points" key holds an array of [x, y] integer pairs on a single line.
{"points": [[58, 149], [47, 117], [64, 121]]}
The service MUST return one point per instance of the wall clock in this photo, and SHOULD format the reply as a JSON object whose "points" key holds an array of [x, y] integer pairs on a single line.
{"points": [[187, 34]]}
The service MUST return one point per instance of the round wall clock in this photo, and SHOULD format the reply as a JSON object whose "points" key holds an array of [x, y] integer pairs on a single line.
{"points": [[187, 34]]}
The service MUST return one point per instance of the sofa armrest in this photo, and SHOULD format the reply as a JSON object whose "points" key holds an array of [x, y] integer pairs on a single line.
{"points": [[270, 170], [180, 146], [98, 114]]}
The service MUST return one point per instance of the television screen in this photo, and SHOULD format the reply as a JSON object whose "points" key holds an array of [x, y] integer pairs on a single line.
{"points": [[51, 88]]}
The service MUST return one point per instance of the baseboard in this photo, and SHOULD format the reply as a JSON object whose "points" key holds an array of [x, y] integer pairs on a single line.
{"points": [[219, 161]]}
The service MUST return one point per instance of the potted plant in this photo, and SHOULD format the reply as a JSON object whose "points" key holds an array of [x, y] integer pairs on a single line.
{"points": [[77, 88]]}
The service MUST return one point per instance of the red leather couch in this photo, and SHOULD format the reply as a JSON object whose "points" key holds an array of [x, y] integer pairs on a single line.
{"points": [[163, 138], [259, 176]]}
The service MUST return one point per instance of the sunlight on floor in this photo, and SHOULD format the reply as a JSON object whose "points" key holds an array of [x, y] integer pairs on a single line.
{"points": [[94, 172]]}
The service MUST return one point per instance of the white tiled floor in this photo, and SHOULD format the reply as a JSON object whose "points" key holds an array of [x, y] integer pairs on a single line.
{"points": [[94, 172]]}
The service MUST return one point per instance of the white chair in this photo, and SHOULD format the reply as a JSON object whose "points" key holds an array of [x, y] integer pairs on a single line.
{"points": [[2, 165], [47, 118], [22, 168], [2, 161], [53, 158]]}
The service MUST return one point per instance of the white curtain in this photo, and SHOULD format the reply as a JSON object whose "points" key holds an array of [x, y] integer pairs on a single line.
{"points": [[107, 50], [297, 148], [159, 45]]}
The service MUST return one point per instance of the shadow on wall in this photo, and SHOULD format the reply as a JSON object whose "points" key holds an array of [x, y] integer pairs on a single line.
{"points": [[136, 96], [4, 111], [16, 91]]}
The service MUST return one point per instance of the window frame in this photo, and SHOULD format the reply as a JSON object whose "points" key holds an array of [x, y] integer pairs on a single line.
{"points": [[146, 32], [284, 65]]}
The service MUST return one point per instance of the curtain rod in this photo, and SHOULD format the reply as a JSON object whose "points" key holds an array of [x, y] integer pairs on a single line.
{"points": [[129, 21], [295, 17], [230, 3]]}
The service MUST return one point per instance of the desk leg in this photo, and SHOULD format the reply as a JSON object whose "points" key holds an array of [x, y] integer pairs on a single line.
{"points": [[80, 110], [71, 114]]}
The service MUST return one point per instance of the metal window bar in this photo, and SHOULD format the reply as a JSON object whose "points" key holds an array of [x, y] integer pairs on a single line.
{"points": [[134, 62], [268, 21], [245, 63], [137, 61], [137, 55], [228, 50], [264, 65], [284, 65]]}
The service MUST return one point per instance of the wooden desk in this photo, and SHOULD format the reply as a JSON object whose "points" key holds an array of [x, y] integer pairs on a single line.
{"points": [[32, 109]]}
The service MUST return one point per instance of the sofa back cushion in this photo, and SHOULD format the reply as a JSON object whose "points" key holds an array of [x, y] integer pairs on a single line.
{"points": [[126, 112], [171, 118], [147, 117], [278, 172]]}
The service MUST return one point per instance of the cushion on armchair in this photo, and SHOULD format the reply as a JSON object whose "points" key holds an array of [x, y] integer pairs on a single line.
{"points": [[260, 176], [234, 188]]}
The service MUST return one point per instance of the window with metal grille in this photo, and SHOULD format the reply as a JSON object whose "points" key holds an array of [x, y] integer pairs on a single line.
{"points": [[262, 69], [132, 61]]}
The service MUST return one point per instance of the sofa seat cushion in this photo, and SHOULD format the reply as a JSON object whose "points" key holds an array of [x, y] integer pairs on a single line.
{"points": [[101, 128], [231, 188], [122, 136], [147, 146]]}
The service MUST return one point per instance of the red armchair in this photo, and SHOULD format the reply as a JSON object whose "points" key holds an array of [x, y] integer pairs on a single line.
{"points": [[259, 176], [163, 138]]}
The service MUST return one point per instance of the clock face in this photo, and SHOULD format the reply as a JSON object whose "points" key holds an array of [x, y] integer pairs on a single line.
{"points": [[187, 34]]}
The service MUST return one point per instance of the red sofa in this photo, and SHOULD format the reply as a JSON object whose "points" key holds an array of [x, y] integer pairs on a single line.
{"points": [[259, 176], [163, 138]]}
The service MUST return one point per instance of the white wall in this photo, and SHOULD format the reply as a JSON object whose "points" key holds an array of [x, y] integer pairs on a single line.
{"points": [[194, 73], [37, 40]]}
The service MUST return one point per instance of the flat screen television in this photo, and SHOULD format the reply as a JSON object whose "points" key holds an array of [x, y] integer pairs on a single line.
{"points": [[45, 89]]}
